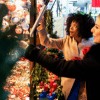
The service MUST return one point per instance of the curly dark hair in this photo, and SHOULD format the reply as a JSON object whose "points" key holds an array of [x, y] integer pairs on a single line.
{"points": [[85, 22]]}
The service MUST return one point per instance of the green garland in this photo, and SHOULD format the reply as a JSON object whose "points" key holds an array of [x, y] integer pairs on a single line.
{"points": [[49, 24], [39, 73]]}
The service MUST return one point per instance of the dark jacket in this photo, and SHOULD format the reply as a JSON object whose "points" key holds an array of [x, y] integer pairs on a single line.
{"points": [[87, 69]]}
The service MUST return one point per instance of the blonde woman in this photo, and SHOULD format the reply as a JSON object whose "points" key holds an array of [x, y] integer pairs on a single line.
{"points": [[88, 68]]}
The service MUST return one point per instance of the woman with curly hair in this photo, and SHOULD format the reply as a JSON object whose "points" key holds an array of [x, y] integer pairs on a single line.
{"points": [[78, 33]]}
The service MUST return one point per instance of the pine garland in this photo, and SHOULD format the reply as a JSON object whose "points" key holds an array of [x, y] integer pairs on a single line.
{"points": [[39, 73]]}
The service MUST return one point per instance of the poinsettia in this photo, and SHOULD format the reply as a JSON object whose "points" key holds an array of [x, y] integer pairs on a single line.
{"points": [[38, 8], [56, 77], [45, 69], [55, 56], [48, 53], [76, 58], [85, 50], [44, 49], [41, 83]]}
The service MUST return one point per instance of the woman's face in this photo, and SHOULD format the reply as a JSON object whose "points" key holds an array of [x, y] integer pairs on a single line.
{"points": [[74, 29], [96, 31]]}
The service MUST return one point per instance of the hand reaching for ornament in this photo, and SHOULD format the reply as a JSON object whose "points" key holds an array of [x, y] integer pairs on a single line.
{"points": [[41, 24], [31, 52]]}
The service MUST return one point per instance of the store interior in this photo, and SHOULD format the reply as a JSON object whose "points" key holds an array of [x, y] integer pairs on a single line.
{"points": [[28, 81]]}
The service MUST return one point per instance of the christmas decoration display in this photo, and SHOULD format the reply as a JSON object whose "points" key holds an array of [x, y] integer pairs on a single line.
{"points": [[45, 81], [18, 14], [18, 84]]}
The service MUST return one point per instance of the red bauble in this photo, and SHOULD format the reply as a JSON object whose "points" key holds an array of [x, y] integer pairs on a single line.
{"points": [[24, 0], [11, 7], [18, 30]]}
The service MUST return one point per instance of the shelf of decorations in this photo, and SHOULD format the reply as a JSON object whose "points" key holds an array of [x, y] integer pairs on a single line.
{"points": [[46, 84], [18, 84], [18, 15]]}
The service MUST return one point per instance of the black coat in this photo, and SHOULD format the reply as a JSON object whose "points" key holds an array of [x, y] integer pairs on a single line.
{"points": [[87, 69]]}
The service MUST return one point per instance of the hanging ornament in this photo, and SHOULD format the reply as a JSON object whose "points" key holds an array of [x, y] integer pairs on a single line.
{"points": [[15, 20], [18, 30], [27, 18], [24, 0], [38, 8], [26, 32], [25, 25], [3, 29], [19, 13], [51, 1], [11, 6], [5, 23], [7, 17], [26, 4]]}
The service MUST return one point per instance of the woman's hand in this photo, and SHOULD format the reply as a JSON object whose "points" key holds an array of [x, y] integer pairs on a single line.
{"points": [[31, 52], [41, 24]]}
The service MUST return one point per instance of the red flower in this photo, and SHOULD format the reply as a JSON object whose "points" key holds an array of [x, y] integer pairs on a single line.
{"points": [[48, 53], [55, 86], [41, 83], [46, 88], [38, 8], [76, 58], [56, 77], [55, 56], [51, 90], [58, 49], [51, 83], [40, 87], [51, 73], [85, 50], [45, 69], [44, 49], [50, 94]]}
